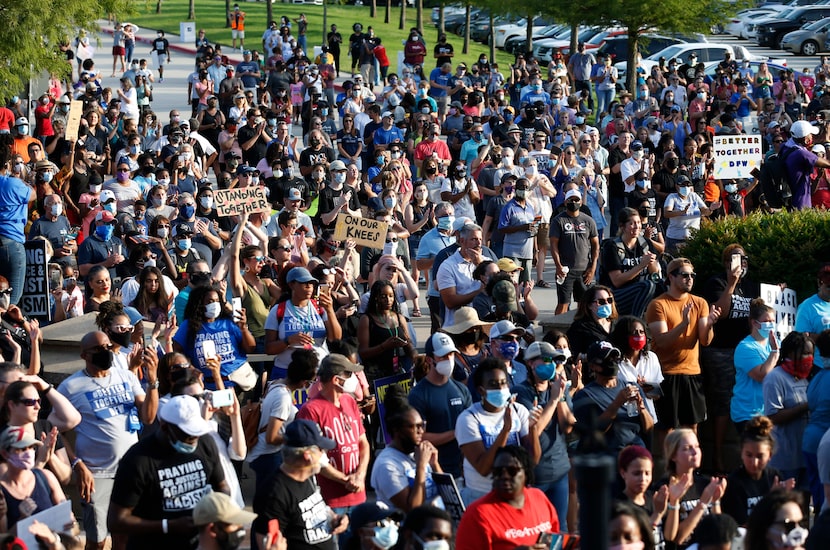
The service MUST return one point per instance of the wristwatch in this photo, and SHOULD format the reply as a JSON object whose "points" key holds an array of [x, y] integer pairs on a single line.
{"points": [[154, 385]]}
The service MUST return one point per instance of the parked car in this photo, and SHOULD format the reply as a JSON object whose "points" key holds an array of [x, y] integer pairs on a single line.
{"points": [[705, 51], [453, 22], [770, 32], [544, 49], [738, 25], [519, 28], [449, 10], [518, 44], [808, 40], [617, 46]]}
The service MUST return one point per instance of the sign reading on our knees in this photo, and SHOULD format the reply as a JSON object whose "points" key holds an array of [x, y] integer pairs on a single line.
{"points": [[363, 231], [237, 201]]}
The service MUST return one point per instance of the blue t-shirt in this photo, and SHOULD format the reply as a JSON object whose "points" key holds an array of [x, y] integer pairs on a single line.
{"points": [[813, 316], [248, 66], [743, 106], [440, 78], [14, 204], [818, 396], [385, 137], [748, 395], [227, 337], [431, 244]]}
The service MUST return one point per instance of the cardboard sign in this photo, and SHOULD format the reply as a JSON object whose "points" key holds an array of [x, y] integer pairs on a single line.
{"points": [[450, 495], [785, 304], [35, 299], [237, 201], [404, 380], [737, 156], [73, 120], [58, 518], [363, 231]]}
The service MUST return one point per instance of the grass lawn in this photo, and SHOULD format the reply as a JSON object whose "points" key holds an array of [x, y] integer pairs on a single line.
{"points": [[211, 17]]}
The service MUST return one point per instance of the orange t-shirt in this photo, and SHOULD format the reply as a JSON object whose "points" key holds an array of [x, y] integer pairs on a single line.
{"points": [[683, 355]]}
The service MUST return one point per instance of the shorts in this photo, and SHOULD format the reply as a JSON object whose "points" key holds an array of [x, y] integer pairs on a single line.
{"points": [[161, 58], [119, 50], [683, 402], [542, 236], [95, 512], [718, 368], [572, 286], [237, 34]]}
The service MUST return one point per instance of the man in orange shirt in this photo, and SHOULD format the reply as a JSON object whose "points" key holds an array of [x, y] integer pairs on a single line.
{"points": [[679, 323], [237, 19], [22, 139]]}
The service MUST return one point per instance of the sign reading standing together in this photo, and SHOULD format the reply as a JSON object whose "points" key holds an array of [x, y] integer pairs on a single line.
{"points": [[237, 201]]}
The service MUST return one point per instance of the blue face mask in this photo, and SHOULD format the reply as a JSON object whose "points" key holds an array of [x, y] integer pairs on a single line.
{"points": [[508, 117], [110, 207], [730, 188], [604, 311], [386, 536], [766, 328], [187, 211], [445, 223], [509, 350], [183, 244], [498, 398], [546, 371], [389, 203], [104, 232], [183, 448], [379, 161], [324, 112]]}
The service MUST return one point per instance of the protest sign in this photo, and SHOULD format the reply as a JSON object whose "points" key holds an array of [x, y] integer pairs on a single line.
{"points": [[237, 201], [382, 385], [363, 231], [736, 156], [785, 304], [58, 518], [73, 120], [450, 495], [35, 299]]}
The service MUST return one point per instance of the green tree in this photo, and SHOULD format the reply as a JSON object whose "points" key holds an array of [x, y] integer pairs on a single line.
{"points": [[30, 48]]}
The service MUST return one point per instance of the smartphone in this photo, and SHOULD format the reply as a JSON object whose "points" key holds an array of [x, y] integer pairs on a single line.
{"points": [[755, 173], [148, 340], [220, 398], [237, 306], [208, 349], [54, 279], [324, 288], [317, 292], [545, 538], [556, 151], [273, 533], [736, 262]]}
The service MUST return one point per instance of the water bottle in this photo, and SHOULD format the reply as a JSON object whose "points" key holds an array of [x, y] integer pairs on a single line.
{"points": [[561, 280], [630, 407]]}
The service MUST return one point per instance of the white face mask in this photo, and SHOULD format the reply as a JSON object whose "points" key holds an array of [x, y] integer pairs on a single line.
{"points": [[162, 232], [432, 544], [350, 384], [445, 367]]}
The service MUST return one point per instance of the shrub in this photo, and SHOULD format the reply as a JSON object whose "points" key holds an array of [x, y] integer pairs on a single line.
{"points": [[782, 247]]}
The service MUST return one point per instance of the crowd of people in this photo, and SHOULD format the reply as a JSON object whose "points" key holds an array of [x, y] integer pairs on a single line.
{"points": [[475, 175]]}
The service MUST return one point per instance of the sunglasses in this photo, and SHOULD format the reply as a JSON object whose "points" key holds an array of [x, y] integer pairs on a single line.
{"points": [[788, 525], [418, 426], [512, 471], [604, 301], [392, 240], [284, 248], [6, 292], [685, 275], [122, 328], [29, 402], [257, 258]]}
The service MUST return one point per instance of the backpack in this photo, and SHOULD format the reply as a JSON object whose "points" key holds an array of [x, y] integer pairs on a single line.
{"points": [[775, 181]]}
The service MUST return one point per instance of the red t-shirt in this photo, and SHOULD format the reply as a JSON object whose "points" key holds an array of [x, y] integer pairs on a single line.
{"points": [[425, 149], [380, 55], [344, 426], [43, 124], [494, 524], [6, 118]]}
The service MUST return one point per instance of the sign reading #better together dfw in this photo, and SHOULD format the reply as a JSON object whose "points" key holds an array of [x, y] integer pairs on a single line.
{"points": [[737, 156]]}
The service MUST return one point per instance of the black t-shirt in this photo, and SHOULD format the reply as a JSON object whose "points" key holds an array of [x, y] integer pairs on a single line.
{"points": [[444, 53], [744, 493], [300, 509], [634, 198], [666, 181], [731, 329], [278, 188], [309, 157], [615, 256], [257, 152], [687, 504], [158, 482], [648, 508], [616, 187], [326, 204]]}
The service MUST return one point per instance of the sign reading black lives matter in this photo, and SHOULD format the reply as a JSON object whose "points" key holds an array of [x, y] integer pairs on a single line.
{"points": [[363, 231], [35, 299], [237, 201]]}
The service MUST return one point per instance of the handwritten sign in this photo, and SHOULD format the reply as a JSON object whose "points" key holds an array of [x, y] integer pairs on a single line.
{"points": [[363, 231], [737, 156], [237, 201], [450, 495], [785, 304], [382, 385], [73, 120], [35, 299]]}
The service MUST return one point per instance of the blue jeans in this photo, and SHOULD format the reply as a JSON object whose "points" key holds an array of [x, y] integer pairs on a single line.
{"points": [[557, 493], [13, 266], [604, 99], [813, 479]]}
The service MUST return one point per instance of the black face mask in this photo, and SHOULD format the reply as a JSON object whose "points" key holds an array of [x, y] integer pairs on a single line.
{"points": [[430, 170], [230, 541], [314, 142], [102, 359], [467, 125], [496, 159], [643, 213], [121, 338], [609, 368], [573, 206], [467, 338], [671, 164]]}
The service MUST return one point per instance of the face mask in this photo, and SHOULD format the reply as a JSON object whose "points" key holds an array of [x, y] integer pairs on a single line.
{"points": [[579, 120], [187, 211], [4, 301], [164, 182], [355, 93], [389, 249], [628, 546], [609, 368], [24, 460], [272, 122], [110, 207], [545, 371], [386, 536], [350, 384], [56, 209], [530, 170], [730, 188], [18, 167], [162, 232], [521, 193], [121, 338], [508, 189], [379, 161], [199, 279], [638, 155], [445, 222], [573, 206], [445, 367], [104, 232], [183, 244], [212, 310], [509, 350], [643, 184], [766, 328], [318, 175], [206, 202], [339, 178], [47, 177], [230, 541], [150, 263], [430, 170], [183, 448], [389, 203], [23, 130], [604, 311], [683, 190], [498, 398], [184, 156], [508, 117], [433, 544], [478, 136], [122, 176], [102, 359], [278, 173], [135, 149], [637, 342], [467, 125]]}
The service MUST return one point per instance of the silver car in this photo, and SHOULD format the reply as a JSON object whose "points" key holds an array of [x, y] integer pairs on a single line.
{"points": [[809, 39]]}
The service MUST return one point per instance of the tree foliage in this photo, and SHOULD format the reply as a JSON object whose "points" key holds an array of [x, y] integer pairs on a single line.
{"points": [[33, 31]]}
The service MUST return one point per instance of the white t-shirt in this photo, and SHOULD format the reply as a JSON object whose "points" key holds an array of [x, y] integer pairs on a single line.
{"points": [[628, 168], [648, 367], [464, 207], [277, 403], [394, 471], [679, 227], [477, 424]]}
